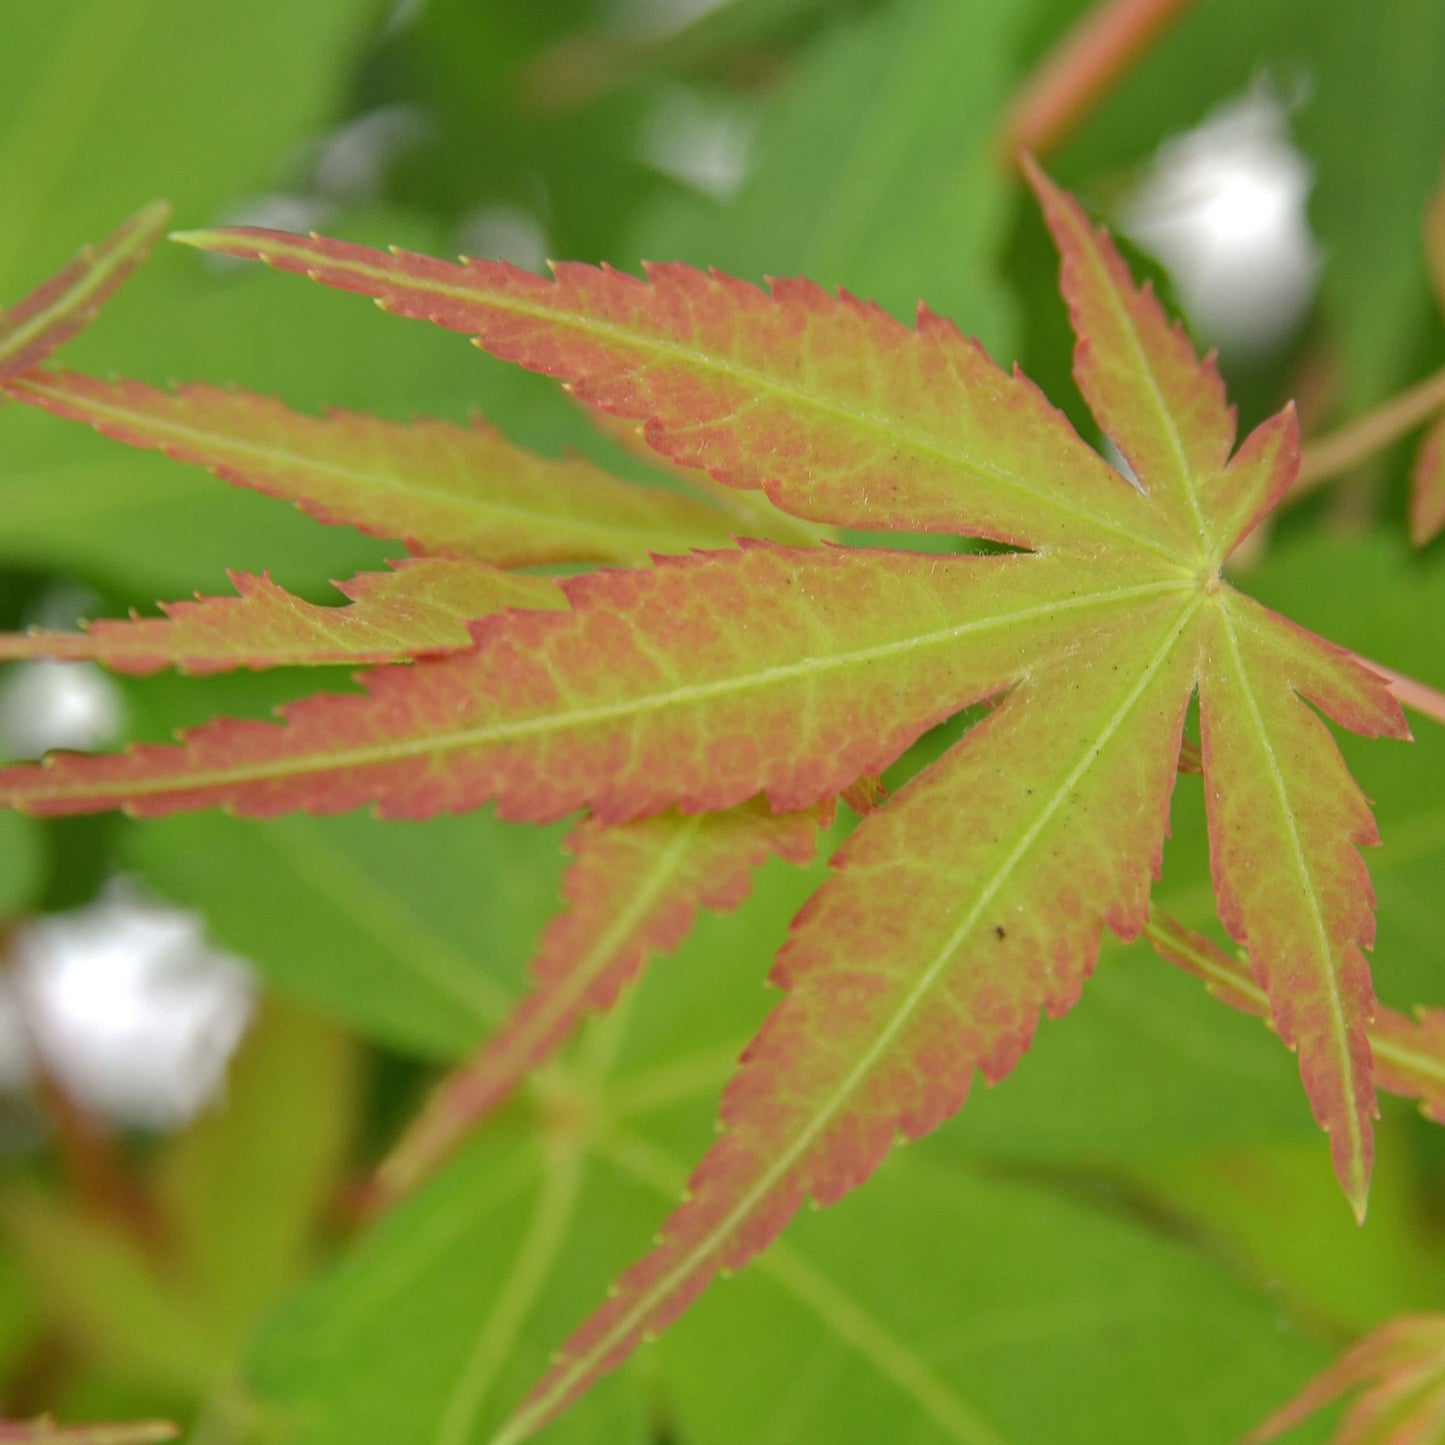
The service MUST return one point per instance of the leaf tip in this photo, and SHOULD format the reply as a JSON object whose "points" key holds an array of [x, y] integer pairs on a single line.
{"points": [[200, 240], [1352, 1168], [152, 219]]}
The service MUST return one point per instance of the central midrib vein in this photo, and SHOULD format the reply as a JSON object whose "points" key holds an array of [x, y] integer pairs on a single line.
{"points": [[385, 484], [335, 760]]}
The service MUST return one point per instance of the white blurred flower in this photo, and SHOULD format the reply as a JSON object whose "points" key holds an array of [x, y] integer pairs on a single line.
{"points": [[1223, 207], [132, 1012]]}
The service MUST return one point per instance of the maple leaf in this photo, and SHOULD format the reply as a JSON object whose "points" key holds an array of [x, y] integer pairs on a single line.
{"points": [[1399, 1370], [974, 898]]}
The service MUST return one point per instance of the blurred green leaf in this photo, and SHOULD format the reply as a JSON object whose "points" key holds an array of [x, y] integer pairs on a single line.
{"points": [[946, 1305], [1369, 199], [19, 1317], [109, 1298], [108, 103], [414, 933], [432, 1326], [874, 170], [246, 1186], [1273, 1210], [21, 868]]}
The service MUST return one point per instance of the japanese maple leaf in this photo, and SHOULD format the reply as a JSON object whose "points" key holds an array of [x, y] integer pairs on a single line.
{"points": [[975, 897]]}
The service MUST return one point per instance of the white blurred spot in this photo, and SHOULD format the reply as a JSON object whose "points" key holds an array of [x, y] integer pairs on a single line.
{"points": [[705, 144], [352, 161], [404, 14], [652, 20], [344, 167], [14, 1046], [1119, 462], [1224, 209], [46, 705], [503, 233], [132, 1011]]}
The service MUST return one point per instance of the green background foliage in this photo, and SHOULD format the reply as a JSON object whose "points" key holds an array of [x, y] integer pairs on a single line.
{"points": [[1136, 1238]]}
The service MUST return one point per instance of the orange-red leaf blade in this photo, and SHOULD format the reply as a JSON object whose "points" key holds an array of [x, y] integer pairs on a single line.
{"points": [[1284, 821], [1410, 1057], [1259, 474], [841, 413], [67, 303], [446, 490], [1159, 404], [420, 609], [752, 514], [1407, 1352], [1409, 1053], [632, 891], [975, 898], [697, 683]]}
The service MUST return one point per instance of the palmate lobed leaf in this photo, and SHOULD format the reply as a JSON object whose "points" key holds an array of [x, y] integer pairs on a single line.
{"points": [[978, 895]]}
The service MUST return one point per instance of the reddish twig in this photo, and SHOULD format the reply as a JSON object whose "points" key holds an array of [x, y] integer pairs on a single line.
{"points": [[1080, 70], [1340, 451], [1417, 696]]}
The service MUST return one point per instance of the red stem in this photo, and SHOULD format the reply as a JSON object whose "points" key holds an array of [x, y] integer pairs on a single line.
{"points": [[1080, 70], [1420, 697], [1358, 440]]}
